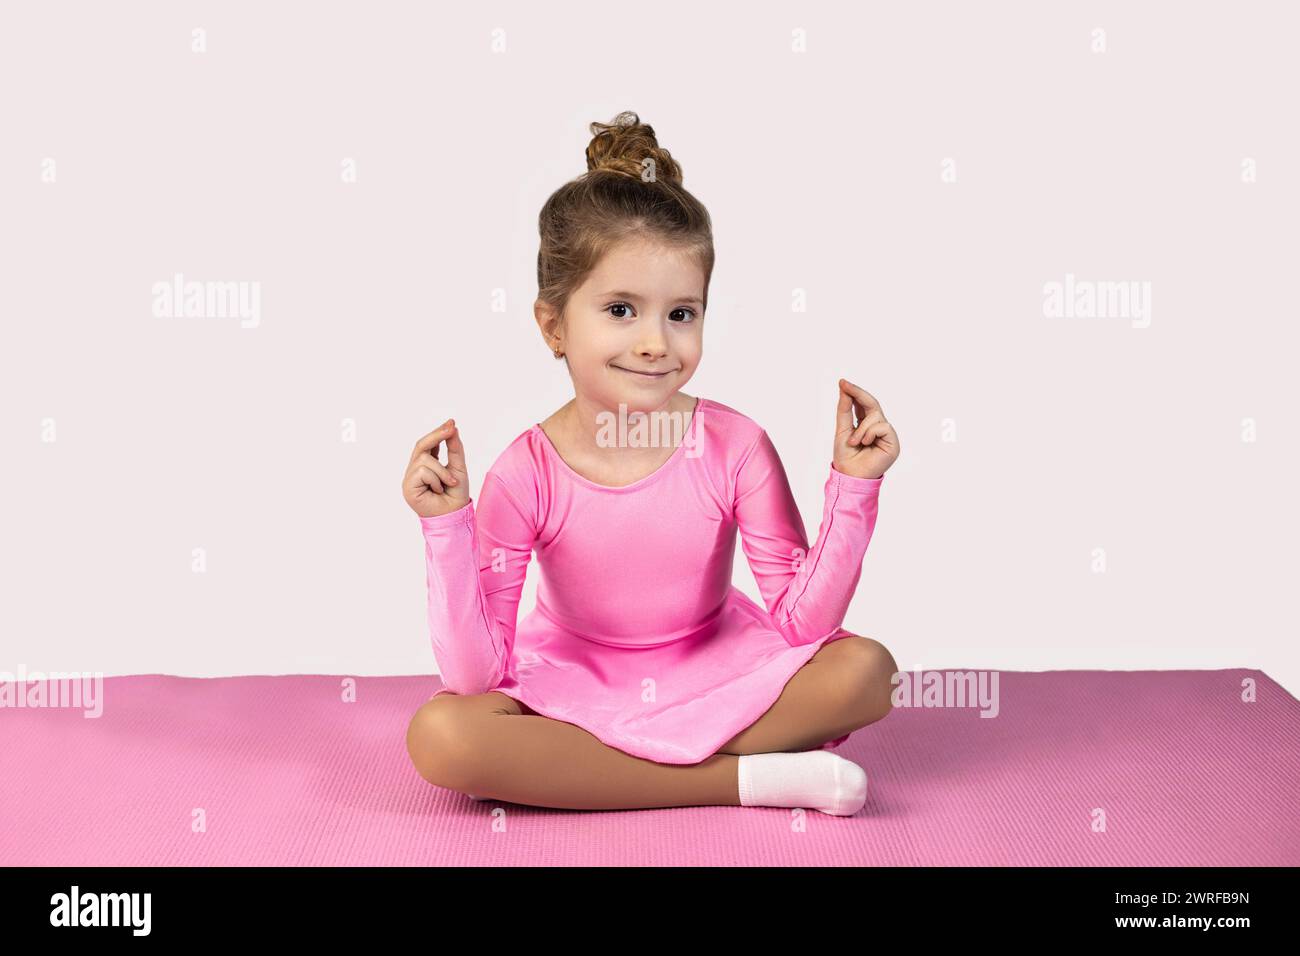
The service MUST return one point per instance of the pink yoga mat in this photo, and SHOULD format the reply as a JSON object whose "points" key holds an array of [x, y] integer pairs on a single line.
{"points": [[285, 770]]}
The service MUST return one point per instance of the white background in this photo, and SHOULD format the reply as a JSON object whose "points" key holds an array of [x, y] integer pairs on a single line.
{"points": [[822, 169]]}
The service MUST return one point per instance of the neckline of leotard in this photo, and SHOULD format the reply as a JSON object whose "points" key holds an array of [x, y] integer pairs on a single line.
{"points": [[692, 428]]}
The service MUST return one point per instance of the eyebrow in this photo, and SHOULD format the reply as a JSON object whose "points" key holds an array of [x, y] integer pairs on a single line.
{"points": [[694, 300]]}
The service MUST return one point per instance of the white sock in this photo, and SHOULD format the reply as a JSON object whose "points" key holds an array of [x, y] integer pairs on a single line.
{"points": [[813, 778]]}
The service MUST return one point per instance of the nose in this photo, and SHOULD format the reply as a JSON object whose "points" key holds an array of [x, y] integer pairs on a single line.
{"points": [[652, 345]]}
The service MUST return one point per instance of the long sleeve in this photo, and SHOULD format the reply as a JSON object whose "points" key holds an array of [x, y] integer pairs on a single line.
{"points": [[806, 592], [476, 561]]}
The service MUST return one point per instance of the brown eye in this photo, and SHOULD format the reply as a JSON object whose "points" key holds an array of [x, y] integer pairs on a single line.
{"points": [[619, 305]]}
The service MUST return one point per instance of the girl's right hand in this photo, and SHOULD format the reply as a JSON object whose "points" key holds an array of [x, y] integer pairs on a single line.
{"points": [[430, 487]]}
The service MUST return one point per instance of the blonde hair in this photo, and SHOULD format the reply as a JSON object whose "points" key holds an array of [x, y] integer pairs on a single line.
{"points": [[632, 190]]}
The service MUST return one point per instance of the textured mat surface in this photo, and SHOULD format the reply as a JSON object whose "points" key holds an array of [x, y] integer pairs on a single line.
{"points": [[285, 770]]}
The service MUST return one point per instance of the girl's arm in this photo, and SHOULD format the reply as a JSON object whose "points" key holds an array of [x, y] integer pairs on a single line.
{"points": [[806, 592], [476, 562]]}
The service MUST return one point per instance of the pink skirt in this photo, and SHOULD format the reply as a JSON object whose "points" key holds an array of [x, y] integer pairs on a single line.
{"points": [[677, 702]]}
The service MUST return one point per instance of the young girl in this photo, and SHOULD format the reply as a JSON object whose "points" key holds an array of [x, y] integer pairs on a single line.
{"points": [[643, 677]]}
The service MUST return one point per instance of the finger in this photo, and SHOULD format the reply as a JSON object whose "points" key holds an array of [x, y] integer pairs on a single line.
{"points": [[890, 441], [455, 465], [885, 438], [418, 480], [858, 433], [456, 451], [443, 472], [876, 434], [424, 475], [863, 400], [434, 438], [877, 430], [844, 412]]}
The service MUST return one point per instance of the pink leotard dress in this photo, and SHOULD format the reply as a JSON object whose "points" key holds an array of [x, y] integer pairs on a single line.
{"points": [[638, 635]]}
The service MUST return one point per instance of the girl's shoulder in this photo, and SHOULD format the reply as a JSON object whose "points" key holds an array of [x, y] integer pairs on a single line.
{"points": [[516, 466], [732, 429], [731, 438]]}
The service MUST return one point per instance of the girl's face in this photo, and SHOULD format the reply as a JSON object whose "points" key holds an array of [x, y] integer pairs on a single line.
{"points": [[633, 331]]}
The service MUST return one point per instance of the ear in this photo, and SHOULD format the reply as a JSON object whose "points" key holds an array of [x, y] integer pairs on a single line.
{"points": [[548, 320]]}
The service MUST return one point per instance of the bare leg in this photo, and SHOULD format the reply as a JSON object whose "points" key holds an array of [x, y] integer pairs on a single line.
{"points": [[484, 744], [487, 745], [845, 686]]}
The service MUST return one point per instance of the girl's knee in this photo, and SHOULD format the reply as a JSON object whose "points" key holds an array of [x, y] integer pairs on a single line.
{"points": [[867, 670], [439, 740]]}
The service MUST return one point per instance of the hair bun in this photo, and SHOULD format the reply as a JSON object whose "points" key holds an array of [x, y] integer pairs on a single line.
{"points": [[623, 146]]}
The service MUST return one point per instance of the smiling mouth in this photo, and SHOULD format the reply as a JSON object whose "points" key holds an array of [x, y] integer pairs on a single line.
{"points": [[646, 374]]}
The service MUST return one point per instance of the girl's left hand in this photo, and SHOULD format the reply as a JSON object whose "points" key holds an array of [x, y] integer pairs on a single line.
{"points": [[867, 449]]}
